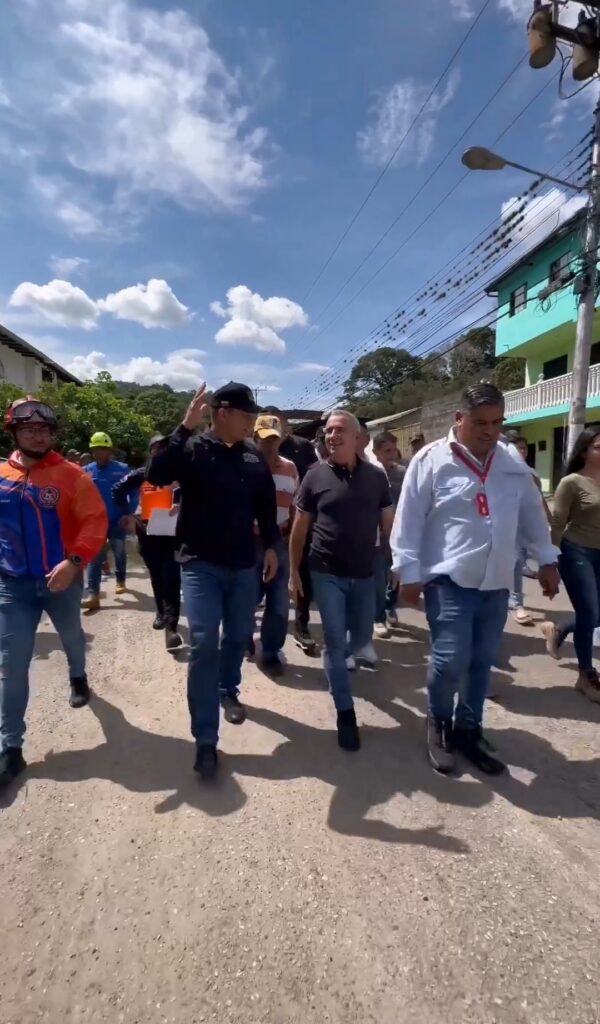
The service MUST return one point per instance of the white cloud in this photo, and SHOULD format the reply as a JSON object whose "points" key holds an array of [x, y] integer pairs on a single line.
{"points": [[461, 10], [181, 369], [309, 368], [66, 266], [541, 215], [153, 305], [246, 332], [254, 321], [392, 119], [520, 11], [60, 302], [132, 103]]}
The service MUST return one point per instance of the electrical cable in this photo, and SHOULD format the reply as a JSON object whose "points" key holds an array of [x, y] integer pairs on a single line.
{"points": [[391, 159]]}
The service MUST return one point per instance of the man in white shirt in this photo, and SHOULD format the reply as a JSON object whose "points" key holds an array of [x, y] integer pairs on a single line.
{"points": [[464, 506]]}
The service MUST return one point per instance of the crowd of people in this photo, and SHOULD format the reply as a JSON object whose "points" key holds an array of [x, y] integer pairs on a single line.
{"points": [[244, 513]]}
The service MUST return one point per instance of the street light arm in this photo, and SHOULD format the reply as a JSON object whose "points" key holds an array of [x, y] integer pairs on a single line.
{"points": [[547, 177]]}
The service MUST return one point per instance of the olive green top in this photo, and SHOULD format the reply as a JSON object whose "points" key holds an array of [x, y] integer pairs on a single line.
{"points": [[576, 511]]}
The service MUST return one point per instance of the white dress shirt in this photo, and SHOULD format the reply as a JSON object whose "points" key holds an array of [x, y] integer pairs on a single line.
{"points": [[450, 523]]}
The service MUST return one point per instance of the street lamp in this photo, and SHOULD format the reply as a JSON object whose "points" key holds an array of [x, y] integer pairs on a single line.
{"points": [[478, 158]]}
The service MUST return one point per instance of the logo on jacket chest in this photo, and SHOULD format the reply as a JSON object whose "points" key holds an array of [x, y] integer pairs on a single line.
{"points": [[48, 497], [249, 457]]}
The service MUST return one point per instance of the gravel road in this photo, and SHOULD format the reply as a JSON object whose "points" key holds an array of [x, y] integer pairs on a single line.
{"points": [[308, 885]]}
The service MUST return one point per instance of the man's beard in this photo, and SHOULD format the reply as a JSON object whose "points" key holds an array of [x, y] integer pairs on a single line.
{"points": [[33, 455]]}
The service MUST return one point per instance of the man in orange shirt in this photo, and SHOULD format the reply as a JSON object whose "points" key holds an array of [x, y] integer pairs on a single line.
{"points": [[157, 552], [53, 523]]}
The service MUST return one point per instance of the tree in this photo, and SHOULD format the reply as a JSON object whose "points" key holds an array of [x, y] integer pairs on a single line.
{"points": [[473, 356], [510, 373], [377, 373]]}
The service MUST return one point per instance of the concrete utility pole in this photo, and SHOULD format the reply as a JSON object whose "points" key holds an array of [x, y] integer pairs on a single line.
{"points": [[587, 298]]}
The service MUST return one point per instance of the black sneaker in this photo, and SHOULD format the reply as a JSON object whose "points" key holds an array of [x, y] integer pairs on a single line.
{"points": [[272, 666], [250, 648], [304, 640], [159, 622], [79, 694], [348, 734], [473, 745], [12, 764], [206, 763], [234, 711], [173, 639], [439, 744]]}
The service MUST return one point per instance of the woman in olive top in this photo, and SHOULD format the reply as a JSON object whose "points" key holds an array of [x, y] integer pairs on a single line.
{"points": [[576, 529]]}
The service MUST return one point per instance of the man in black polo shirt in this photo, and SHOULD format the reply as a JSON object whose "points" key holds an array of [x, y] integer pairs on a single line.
{"points": [[345, 500], [301, 452], [225, 487]]}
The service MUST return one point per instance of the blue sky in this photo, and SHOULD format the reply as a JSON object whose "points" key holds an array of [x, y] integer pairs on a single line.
{"points": [[173, 177]]}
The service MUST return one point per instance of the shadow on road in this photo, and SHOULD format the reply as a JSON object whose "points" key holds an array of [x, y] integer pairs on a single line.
{"points": [[143, 762]]}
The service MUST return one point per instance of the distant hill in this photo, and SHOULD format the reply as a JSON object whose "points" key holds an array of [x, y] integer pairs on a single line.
{"points": [[126, 387]]}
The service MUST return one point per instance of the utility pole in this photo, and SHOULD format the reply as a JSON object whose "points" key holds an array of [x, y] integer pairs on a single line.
{"points": [[587, 298], [543, 29]]}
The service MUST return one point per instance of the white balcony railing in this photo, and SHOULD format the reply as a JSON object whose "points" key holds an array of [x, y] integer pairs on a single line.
{"points": [[547, 394]]}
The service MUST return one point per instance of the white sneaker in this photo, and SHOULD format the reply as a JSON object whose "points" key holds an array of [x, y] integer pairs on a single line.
{"points": [[381, 631], [351, 663], [368, 655]]}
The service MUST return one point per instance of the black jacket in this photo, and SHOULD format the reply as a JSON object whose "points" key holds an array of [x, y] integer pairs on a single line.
{"points": [[224, 490]]}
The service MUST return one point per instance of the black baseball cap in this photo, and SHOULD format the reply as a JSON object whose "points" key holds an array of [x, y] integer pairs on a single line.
{"points": [[234, 396]]}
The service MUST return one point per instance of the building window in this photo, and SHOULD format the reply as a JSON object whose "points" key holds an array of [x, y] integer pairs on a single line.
{"points": [[47, 375], [560, 266], [595, 354], [2, 372], [555, 367], [518, 299]]}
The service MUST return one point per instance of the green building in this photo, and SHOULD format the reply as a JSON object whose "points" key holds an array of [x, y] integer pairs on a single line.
{"points": [[537, 313]]}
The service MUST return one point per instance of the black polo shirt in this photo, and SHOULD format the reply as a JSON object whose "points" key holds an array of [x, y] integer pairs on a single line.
{"points": [[346, 507], [299, 451]]}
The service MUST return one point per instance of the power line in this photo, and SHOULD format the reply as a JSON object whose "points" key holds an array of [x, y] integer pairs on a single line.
{"points": [[390, 161], [473, 255]]}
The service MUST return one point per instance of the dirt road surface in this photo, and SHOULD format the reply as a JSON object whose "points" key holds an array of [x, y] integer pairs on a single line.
{"points": [[309, 885]]}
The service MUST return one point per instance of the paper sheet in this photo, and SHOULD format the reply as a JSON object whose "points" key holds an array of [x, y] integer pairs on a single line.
{"points": [[161, 523]]}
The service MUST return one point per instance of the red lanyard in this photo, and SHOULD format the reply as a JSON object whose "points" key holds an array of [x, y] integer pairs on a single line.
{"points": [[481, 472]]}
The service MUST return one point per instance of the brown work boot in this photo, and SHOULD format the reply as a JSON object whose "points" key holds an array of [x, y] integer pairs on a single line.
{"points": [[589, 685], [91, 603], [551, 636], [440, 744]]}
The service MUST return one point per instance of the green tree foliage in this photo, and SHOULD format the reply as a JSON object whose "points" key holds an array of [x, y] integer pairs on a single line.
{"points": [[165, 408], [377, 373], [391, 380], [82, 410]]}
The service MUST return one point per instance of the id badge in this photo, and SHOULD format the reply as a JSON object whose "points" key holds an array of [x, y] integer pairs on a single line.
{"points": [[482, 504]]}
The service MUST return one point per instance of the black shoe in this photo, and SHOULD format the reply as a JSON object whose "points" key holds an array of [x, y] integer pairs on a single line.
{"points": [[272, 666], [304, 640], [12, 764], [348, 734], [439, 744], [79, 693], [159, 622], [473, 745], [173, 639], [206, 763], [234, 711], [250, 648]]}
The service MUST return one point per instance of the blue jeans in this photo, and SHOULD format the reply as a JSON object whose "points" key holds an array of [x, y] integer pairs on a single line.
{"points": [[22, 602], [580, 571], [116, 540], [343, 604], [214, 595], [386, 593], [466, 629], [516, 595], [273, 630]]}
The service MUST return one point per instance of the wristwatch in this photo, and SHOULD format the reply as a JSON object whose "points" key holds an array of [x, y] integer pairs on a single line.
{"points": [[75, 560]]}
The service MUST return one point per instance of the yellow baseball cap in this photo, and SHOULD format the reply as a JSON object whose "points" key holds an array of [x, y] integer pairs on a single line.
{"points": [[267, 426]]}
